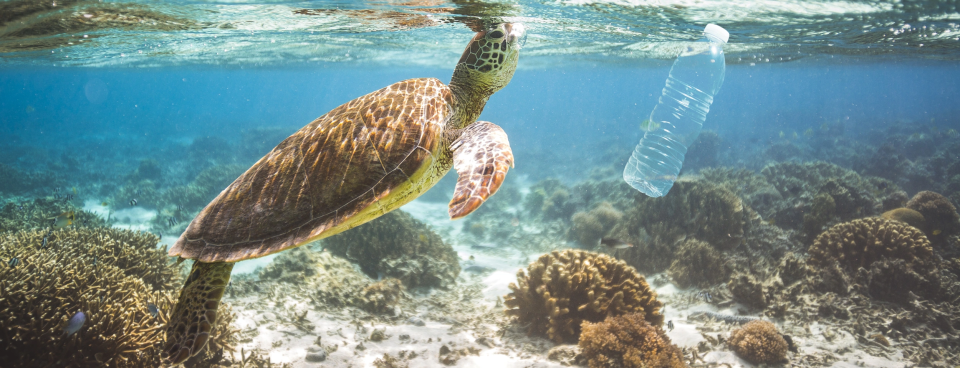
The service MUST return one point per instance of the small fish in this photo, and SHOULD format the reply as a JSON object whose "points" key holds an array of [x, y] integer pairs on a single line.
{"points": [[159, 235], [139, 192], [20, 207], [154, 310], [43, 244], [936, 232], [770, 221], [515, 222], [57, 190], [808, 133], [133, 202], [483, 246], [782, 134], [74, 190], [649, 125], [14, 262], [75, 323], [794, 135], [180, 208], [670, 325], [94, 263], [614, 243], [57, 196], [104, 203], [64, 219], [172, 221]]}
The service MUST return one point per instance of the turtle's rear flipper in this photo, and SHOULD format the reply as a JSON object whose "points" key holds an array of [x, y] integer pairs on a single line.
{"points": [[481, 157], [196, 312]]}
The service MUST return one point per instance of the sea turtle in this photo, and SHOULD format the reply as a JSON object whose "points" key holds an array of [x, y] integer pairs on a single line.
{"points": [[357, 162]]}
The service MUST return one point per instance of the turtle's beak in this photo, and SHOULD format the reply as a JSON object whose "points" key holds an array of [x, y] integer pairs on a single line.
{"points": [[516, 34]]}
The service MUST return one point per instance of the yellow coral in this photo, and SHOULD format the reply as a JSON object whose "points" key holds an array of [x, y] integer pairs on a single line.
{"points": [[628, 341], [758, 342], [859, 243], [109, 274], [563, 288]]}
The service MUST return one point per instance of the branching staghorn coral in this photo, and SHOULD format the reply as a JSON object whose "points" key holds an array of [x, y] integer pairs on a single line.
{"points": [[759, 342], [95, 271], [41, 213], [564, 288], [859, 243], [628, 341], [134, 252]]}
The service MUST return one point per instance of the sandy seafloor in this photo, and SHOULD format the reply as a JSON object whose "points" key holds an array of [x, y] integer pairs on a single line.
{"points": [[263, 331]]}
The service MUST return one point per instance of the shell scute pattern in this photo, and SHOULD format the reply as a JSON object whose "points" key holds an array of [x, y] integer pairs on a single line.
{"points": [[321, 176]]}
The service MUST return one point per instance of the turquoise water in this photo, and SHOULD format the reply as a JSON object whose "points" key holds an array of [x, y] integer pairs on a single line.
{"points": [[94, 95]]}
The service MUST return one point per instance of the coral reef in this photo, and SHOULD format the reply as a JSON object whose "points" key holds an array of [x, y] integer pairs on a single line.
{"points": [[703, 152], [587, 228], [111, 275], [183, 201], [382, 296], [696, 263], [694, 209], [748, 290], [907, 216], [149, 169], [550, 199], [859, 243], [336, 283], [564, 288], [799, 183], [16, 181], [758, 342], [41, 213], [628, 341], [399, 246], [940, 215], [294, 266]]}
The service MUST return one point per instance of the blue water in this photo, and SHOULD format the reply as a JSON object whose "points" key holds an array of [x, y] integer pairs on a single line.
{"points": [[557, 110]]}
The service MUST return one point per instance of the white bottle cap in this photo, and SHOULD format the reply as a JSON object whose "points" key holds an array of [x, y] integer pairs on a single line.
{"points": [[716, 33]]}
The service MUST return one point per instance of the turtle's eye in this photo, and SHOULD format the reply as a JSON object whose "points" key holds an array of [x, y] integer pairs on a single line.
{"points": [[498, 34]]}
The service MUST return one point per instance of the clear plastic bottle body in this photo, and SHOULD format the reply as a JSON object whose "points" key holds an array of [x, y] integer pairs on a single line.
{"points": [[695, 78]]}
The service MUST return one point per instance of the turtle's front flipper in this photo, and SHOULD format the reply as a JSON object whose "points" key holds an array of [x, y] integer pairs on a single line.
{"points": [[196, 311], [481, 157]]}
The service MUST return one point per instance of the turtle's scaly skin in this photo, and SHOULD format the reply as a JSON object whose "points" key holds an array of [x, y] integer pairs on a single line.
{"points": [[349, 166], [203, 288]]}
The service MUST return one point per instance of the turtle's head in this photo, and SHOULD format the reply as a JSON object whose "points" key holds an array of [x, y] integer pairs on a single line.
{"points": [[490, 59]]}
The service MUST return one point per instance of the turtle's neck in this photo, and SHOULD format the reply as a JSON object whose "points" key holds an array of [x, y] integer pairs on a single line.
{"points": [[470, 96]]}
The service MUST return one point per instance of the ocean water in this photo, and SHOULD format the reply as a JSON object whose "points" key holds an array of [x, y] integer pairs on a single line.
{"points": [[140, 113]]}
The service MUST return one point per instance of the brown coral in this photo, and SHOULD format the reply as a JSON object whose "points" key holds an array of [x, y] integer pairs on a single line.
{"points": [[102, 272], [564, 288], [398, 245], [859, 243], [628, 341], [758, 342], [941, 215], [698, 264], [588, 228], [906, 215], [381, 296]]}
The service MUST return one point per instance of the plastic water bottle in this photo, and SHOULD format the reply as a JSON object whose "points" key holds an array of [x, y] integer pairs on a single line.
{"points": [[675, 123]]}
